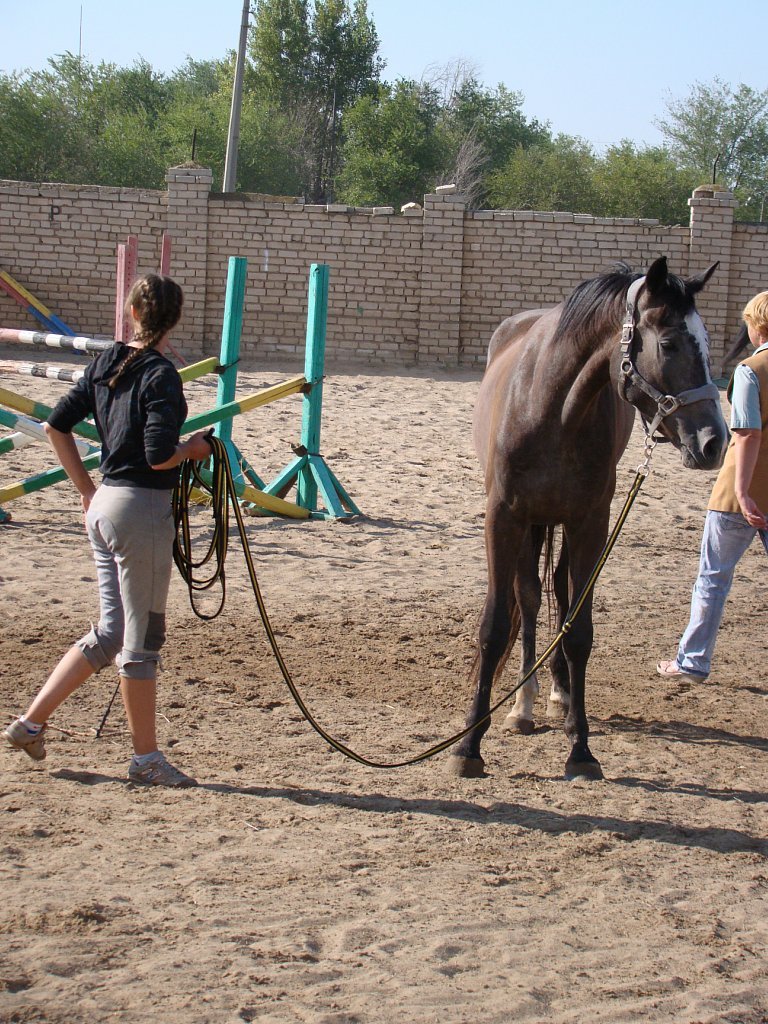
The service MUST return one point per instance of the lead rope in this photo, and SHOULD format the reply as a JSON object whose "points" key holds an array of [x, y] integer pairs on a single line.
{"points": [[222, 493]]}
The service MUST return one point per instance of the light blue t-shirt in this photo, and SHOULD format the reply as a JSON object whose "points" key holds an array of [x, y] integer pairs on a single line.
{"points": [[745, 397]]}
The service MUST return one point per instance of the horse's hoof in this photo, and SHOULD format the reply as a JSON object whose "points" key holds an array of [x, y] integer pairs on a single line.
{"points": [[556, 709], [524, 726], [466, 767], [589, 770]]}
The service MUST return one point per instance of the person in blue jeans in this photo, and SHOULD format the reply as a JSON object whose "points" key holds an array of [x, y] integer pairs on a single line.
{"points": [[136, 398], [737, 507]]}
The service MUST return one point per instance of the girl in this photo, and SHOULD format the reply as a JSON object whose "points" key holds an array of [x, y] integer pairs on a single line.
{"points": [[135, 396]]}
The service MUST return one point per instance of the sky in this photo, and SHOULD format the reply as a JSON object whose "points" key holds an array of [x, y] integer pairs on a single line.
{"points": [[599, 69]]}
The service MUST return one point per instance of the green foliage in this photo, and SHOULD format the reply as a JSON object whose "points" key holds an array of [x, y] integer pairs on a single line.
{"points": [[312, 66], [556, 175], [80, 122], [316, 121], [405, 139], [482, 129], [280, 47], [722, 136], [392, 151], [644, 182], [495, 117]]}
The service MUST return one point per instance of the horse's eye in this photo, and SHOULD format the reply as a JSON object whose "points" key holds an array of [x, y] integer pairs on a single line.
{"points": [[668, 344]]}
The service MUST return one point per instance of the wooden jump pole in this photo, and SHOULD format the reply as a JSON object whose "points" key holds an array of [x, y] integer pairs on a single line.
{"points": [[165, 254], [42, 339], [231, 332], [127, 261], [309, 469], [32, 305], [43, 370], [254, 495]]}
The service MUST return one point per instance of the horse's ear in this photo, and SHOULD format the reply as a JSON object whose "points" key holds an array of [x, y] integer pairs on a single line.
{"points": [[656, 275], [695, 284]]}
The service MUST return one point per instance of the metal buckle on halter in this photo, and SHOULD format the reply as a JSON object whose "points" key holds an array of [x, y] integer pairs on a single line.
{"points": [[668, 404], [627, 334]]}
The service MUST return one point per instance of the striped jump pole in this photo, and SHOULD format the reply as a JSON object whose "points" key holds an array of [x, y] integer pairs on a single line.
{"points": [[41, 339], [28, 430], [40, 411], [257, 496], [43, 370], [32, 305]]}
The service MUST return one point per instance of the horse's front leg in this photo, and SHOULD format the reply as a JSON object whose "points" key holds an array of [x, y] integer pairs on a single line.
{"points": [[503, 537], [584, 551]]}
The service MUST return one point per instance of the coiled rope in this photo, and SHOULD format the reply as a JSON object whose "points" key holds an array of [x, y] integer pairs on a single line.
{"points": [[221, 494]]}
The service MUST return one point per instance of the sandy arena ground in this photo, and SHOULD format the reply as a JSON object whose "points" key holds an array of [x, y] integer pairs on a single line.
{"points": [[297, 886]]}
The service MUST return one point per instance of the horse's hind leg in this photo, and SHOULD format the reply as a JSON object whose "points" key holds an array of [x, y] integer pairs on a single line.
{"points": [[528, 593], [503, 537], [560, 694]]}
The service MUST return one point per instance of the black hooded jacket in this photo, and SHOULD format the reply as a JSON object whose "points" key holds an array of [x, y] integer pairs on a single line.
{"points": [[139, 422]]}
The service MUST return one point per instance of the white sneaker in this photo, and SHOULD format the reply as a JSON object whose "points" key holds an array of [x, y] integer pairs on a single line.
{"points": [[33, 744]]}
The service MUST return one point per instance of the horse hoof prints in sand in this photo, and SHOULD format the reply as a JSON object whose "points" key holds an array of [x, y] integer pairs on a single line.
{"points": [[554, 414]]}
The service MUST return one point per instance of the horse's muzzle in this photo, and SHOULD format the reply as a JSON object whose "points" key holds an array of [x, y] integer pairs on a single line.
{"points": [[704, 448]]}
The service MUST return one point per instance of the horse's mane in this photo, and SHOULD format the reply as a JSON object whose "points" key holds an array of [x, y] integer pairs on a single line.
{"points": [[594, 304], [598, 303]]}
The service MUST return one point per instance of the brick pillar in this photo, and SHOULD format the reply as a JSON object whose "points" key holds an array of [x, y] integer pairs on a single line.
{"points": [[712, 209], [441, 272], [187, 223]]}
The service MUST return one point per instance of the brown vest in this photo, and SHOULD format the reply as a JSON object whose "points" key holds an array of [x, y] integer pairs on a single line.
{"points": [[723, 497]]}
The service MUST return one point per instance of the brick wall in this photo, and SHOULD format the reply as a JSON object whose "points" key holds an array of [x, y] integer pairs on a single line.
{"points": [[60, 243], [749, 269], [517, 260], [426, 287]]}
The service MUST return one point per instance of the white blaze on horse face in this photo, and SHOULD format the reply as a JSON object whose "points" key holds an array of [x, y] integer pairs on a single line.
{"points": [[696, 327]]}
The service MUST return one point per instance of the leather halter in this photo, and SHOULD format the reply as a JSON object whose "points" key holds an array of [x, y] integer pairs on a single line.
{"points": [[629, 374]]}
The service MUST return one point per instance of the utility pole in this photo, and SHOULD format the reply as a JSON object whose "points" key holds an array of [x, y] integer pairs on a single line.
{"points": [[233, 138]]}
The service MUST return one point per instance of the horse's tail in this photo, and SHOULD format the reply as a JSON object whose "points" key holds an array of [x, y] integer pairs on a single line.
{"points": [[541, 538], [514, 616], [548, 573], [740, 342]]}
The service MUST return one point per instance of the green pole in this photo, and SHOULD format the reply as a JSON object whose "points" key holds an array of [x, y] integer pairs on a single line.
{"points": [[314, 368], [230, 340]]}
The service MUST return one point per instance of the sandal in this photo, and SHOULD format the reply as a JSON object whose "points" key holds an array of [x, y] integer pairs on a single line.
{"points": [[671, 670]]}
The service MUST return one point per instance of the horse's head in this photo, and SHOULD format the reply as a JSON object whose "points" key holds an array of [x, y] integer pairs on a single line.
{"points": [[663, 365]]}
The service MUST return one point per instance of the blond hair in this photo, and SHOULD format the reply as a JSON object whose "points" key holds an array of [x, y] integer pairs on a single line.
{"points": [[756, 312]]}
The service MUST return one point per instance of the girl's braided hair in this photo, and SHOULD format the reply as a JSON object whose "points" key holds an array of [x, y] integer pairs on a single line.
{"points": [[157, 302]]}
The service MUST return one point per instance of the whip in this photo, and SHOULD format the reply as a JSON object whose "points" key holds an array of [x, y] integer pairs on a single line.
{"points": [[221, 494]]}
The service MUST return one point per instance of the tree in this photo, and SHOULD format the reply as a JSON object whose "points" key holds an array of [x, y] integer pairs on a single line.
{"points": [[197, 118], [32, 128], [483, 128], [392, 150], [557, 175], [722, 135], [79, 122], [280, 47], [643, 182], [313, 66]]}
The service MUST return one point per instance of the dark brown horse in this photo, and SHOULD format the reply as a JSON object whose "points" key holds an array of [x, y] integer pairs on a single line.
{"points": [[553, 416]]}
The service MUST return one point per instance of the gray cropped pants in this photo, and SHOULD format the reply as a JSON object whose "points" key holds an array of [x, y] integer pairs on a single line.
{"points": [[131, 532]]}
